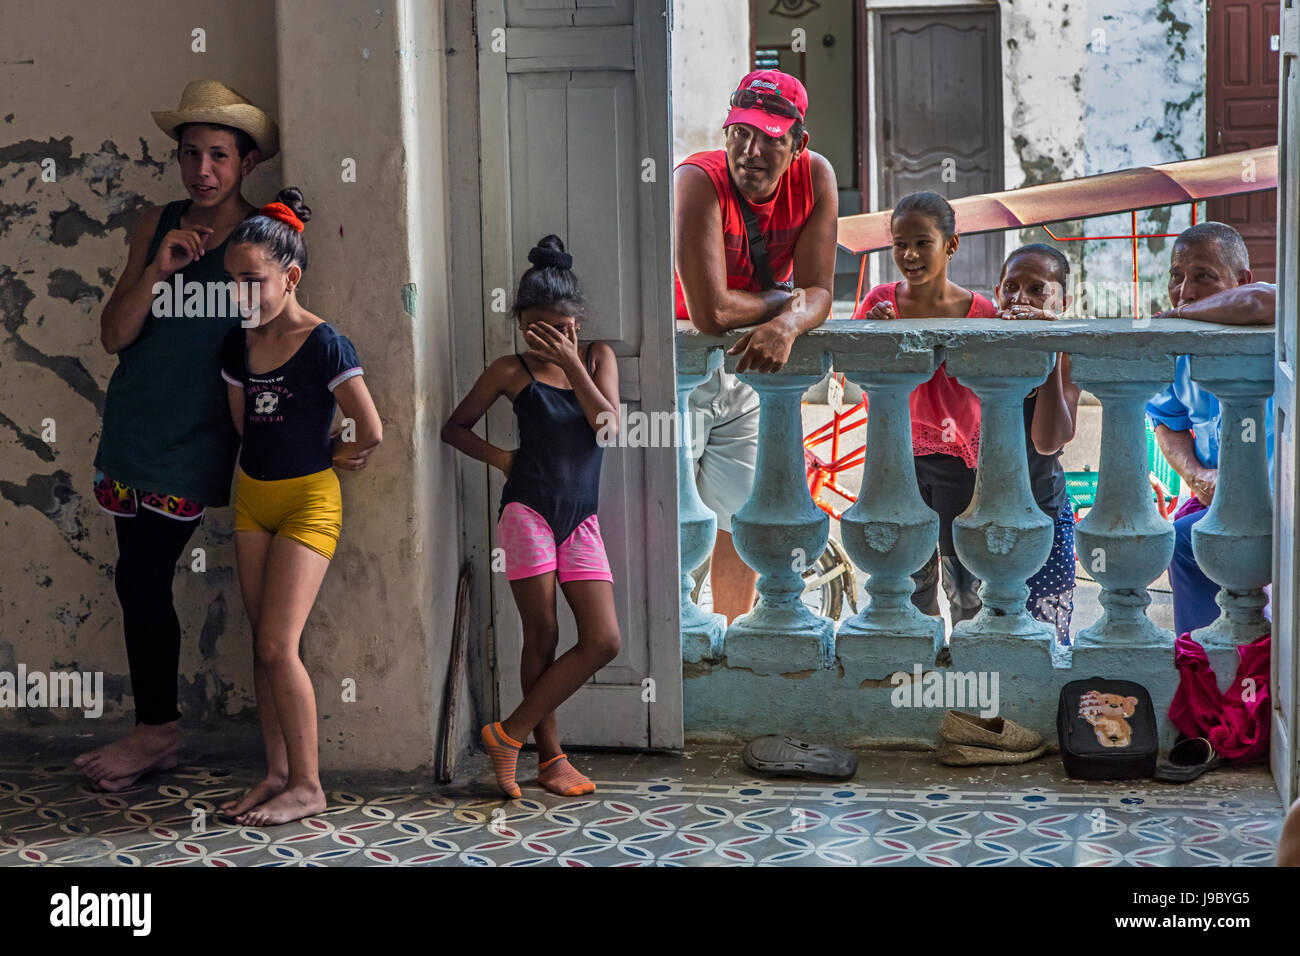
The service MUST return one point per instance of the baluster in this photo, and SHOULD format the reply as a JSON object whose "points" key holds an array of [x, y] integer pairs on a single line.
{"points": [[1003, 537], [779, 532], [702, 631], [1123, 543], [889, 532], [1233, 543]]}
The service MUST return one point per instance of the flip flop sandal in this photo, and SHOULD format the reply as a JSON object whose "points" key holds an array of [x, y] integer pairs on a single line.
{"points": [[1189, 758], [779, 755]]}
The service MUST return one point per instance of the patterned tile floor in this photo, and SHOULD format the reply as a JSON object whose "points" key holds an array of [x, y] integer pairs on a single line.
{"points": [[701, 808]]}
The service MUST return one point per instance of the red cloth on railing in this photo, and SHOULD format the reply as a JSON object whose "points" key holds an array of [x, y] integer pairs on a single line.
{"points": [[1236, 721]]}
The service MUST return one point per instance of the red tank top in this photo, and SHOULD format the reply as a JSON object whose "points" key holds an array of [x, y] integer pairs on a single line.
{"points": [[945, 413], [780, 219]]}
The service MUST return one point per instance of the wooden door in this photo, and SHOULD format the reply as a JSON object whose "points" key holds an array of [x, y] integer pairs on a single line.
{"points": [[938, 101], [576, 140], [1241, 87], [1285, 677]]}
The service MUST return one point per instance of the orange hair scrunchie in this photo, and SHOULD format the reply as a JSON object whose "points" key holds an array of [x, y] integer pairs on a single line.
{"points": [[278, 210]]}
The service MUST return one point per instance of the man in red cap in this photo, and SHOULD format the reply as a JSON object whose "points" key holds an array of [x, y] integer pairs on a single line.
{"points": [[725, 281]]}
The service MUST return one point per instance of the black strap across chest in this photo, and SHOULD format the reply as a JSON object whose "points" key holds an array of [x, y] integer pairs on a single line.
{"points": [[754, 236]]}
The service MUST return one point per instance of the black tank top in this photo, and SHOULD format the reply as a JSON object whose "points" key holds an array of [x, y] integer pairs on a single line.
{"points": [[556, 469], [1046, 476]]}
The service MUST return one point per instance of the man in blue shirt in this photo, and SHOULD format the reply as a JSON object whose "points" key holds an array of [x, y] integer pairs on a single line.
{"points": [[1209, 281]]}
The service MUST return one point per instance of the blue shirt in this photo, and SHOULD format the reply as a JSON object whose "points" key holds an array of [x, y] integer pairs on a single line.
{"points": [[288, 410], [1185, 406]]}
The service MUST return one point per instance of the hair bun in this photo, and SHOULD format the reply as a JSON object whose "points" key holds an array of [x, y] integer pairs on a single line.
{"points": [[292, 197], [549, 253]]}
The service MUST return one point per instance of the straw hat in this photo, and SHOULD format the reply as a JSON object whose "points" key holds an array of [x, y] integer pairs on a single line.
{"points": [[209, 101]]}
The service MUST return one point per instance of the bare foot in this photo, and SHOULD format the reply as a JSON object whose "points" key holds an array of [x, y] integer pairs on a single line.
{"points": [[260, 792], [293, 803], [113, 784], [146, 748]]}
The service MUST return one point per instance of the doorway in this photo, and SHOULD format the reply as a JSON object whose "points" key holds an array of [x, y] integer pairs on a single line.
{"points": [[937, 102], [1243, 39]]}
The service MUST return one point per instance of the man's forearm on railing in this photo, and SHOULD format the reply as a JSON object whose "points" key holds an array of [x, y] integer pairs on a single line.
{"points": [[805, 310], [737, 309]]}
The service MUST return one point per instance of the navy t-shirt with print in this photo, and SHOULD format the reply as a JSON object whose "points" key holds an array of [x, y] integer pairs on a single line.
{"points": [[288, 411]]}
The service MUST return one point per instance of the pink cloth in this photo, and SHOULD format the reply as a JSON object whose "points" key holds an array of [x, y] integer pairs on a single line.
{"points": [[945, 414], [531, 550], [1235, 722]]}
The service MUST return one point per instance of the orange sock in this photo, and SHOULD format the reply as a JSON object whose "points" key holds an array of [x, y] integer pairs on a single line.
{"points": [[504, 751], [559, 776]]}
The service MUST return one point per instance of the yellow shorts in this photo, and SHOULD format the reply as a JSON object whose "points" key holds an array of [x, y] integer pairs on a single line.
{"points": [[308, 509]]}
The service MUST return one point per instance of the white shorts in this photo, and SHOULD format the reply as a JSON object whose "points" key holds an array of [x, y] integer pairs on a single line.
{"points": [[724, 419]]}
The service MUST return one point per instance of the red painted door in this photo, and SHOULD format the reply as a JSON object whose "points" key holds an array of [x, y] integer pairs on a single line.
{"points": [[1241, 91]]}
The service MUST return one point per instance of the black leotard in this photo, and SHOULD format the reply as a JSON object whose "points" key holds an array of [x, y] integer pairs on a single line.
{"points": [[556, 469]]}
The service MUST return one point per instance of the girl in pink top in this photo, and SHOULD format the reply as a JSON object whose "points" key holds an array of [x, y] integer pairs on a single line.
{"points": [[945, 414]]}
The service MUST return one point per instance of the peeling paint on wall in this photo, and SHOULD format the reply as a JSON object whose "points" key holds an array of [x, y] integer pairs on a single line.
{"points": [[15, 297], [28, 441], [51, 495], [1070, 72], [66, 284], [68, 205]]}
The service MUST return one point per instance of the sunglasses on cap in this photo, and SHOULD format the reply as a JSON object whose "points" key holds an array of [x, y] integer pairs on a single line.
{"points": [[773, 103]]}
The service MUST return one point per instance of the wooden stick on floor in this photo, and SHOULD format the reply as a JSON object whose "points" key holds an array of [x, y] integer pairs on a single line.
{"points": [[446, 763]]}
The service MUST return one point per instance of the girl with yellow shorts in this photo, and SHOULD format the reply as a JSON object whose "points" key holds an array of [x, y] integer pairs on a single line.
{"points": [[286, 371]]}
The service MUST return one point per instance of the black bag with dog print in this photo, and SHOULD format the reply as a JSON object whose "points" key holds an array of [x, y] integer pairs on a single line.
{"points": [[1107, 730]]}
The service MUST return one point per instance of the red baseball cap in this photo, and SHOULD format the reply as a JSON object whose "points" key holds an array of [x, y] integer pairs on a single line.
{"points": [[770, 81]]}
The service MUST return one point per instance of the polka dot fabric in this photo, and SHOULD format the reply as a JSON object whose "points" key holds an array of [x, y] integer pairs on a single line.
{"points": [[531, 550], [1051, 590]]}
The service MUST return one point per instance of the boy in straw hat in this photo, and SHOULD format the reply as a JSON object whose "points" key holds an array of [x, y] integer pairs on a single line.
{"points": [[167, 449]]}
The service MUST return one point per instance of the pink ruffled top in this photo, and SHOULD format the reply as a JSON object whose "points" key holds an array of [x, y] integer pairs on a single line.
{"points": [[945, 414]]}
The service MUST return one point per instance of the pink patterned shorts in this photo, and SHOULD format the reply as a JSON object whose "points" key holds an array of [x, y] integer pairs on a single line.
{"points": [[531, 549], [124, 501]]}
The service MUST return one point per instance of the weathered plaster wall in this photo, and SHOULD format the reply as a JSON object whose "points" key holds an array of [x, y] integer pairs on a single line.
{"points": [[710, 50], [1091, 86], [79, 81], [370, 88], [346, 80]]}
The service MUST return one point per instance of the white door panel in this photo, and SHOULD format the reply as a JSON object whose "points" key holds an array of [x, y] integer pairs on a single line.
{"points": [[569, 113]]}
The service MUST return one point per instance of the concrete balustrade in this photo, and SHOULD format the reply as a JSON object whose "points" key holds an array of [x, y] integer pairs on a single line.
{"points": [[1123, 542], [779, 532], [775, 675], [697, 526], [889, 532], [1233, 543], [1003, 537]]}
